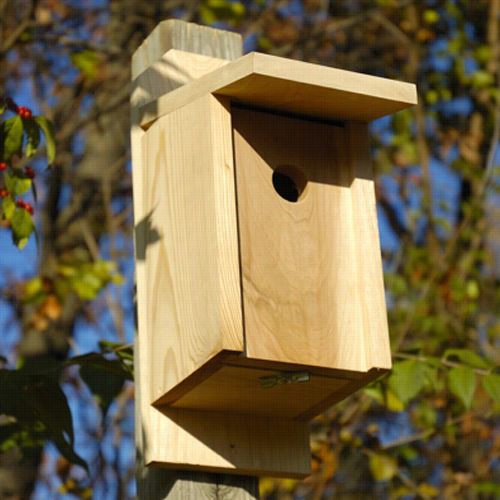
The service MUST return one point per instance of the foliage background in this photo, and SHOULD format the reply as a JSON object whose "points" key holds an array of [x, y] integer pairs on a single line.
{"points": [[429, 430]]}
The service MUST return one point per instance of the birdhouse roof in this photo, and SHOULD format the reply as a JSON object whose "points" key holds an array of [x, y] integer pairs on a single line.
{"points": [[292, 86]]}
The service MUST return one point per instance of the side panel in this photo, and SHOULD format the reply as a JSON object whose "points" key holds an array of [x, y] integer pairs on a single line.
{"points": [[368, 256], [189, 288]]}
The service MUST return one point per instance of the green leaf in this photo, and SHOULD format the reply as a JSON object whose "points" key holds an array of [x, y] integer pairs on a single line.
{"points": [[48, 130], [98, 361], [12, 133], [382, 466], [22, 227], [87, 62], [491, 384], [33, 290], [21, 243], [49, 402], [38, 403], [11, 403], [467, 356], [393, 403], [103, 384], [123, 351], [462, 383], [32, 131], [17, 183], [408, 378], [8, 207], [87, 285]]}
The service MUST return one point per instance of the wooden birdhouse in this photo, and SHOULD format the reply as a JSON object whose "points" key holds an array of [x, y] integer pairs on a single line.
{"points": [[259, 274]]}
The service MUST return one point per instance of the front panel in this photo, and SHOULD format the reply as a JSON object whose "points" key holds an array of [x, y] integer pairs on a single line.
{"points": [[301, 293]]}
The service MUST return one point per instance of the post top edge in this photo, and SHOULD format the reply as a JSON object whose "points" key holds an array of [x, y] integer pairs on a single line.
{"points": [[189, 37]]}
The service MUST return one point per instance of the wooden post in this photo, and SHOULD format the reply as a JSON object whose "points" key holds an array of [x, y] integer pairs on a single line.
{"points": [[157, 483]]}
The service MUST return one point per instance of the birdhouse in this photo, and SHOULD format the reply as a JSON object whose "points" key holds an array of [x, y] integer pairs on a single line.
{"points": [[259, 273]]}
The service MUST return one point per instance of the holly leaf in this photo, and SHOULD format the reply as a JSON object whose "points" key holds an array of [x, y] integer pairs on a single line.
{"points": [[17, 183], [12, 133], [22, 227], [32, 131], [8, 207], [462, 383], [49, 133]]}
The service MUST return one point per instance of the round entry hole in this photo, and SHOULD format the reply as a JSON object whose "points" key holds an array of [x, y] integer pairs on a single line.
{"points": [[289, 182]]}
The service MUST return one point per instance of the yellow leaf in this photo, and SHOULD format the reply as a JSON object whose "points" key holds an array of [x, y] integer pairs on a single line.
{"points": [[427, 490], [266, 486], [431, 16], [393, 402], [382, 466]]}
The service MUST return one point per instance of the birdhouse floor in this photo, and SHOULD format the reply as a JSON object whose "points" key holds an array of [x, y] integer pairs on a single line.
{"points": [[235, 384]]}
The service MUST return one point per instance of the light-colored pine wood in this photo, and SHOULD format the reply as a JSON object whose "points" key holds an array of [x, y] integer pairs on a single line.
{"points": [[174, 69], [234, 282], [235, 389], [188, 37], [227, 442], [370, 281], [192, 281], [162, 483], [305, 294], [292, 86], [154, 483], [234, 386]]}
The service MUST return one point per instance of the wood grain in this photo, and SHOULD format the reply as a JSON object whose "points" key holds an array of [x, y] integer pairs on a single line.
{"points": [[174, 69], [235, 389], [370, 281], [151, 425], [188, 37], [238, 444], [159, 483], [235, 282], [293, 86], [192, 281], [300, 290]]}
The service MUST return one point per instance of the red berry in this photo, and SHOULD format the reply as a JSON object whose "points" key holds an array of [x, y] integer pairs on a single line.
{"points": [[25, 205], [3, 193], [30, 173], [3, 166], [24, 112]]}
